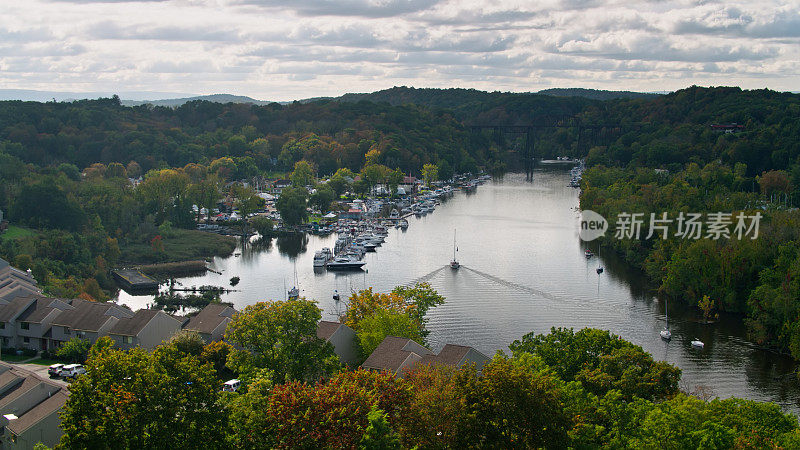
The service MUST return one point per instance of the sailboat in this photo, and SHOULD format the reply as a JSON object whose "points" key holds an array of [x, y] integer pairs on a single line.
{"points": [[454, 263], [665, 333], [600, 266], [294, 292]]}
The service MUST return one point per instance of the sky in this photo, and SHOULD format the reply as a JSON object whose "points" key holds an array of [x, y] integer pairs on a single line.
{"points": [[284, 50]]}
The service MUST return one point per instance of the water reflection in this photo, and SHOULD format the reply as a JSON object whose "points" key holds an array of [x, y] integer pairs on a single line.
{"points": [[292, 244]]}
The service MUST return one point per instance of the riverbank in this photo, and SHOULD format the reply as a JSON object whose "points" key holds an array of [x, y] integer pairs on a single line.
{"points": [[182, 252]]}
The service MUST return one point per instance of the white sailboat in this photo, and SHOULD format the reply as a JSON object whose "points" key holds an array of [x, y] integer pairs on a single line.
{"points": [[454, 263], [294, 292], [665, 333]]}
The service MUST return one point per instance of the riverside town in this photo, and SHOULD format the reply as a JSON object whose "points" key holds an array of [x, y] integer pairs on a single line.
{"points": [[399, 225]]}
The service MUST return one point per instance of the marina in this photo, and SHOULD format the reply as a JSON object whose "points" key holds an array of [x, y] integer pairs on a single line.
{"points": [[542, 280]]}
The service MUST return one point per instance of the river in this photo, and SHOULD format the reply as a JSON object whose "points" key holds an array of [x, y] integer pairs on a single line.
{"points": [[523, 270]]}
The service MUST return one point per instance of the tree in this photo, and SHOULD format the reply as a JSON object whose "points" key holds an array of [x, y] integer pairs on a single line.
{"points": [[602, 362], [339, 184], [374, 328], [333, 414], [414, 301], [322, 198], [292, 206], [205, 194], [706, 304], [775, 181], [44, 205], [393, 179], [430, 173], [303, 174], [188, 342], [379, 434], [162, 191], [139, 399], [247, 202], [280, 336], [74, 350], [263, 225]]}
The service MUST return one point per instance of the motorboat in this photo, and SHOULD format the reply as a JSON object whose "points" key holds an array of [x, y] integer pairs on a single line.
{"points": [[697, 343], [345, 263], [370, 246], [588, 253], [403, 224], [322, 257], [293, 293], [599, 270]]}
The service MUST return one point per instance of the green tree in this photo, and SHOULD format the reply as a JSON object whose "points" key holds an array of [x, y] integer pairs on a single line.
{"points": [[303, 174], [379, 434], [322, 197], [280, 336], [292, 206], [375, 327], [263, 225], [74, 350], [430, 173], [602, 362], [138, 399]]}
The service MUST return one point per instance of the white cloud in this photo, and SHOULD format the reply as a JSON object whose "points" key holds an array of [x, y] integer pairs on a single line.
{"points": [[281, 50]]}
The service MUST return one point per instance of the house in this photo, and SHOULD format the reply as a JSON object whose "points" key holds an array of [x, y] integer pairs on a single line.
{"points": [[457, 356], [147, 328], [211, 321], [29, 409], [26, 320], [86, 320], [15, 282], [343, 339], [396, 355]]}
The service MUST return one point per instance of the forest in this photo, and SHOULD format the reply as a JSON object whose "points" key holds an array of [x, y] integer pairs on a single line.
{"points": [[65, 169]]}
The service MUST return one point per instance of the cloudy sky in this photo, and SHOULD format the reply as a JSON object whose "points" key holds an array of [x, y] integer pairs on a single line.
{"points": [[283, 50]]}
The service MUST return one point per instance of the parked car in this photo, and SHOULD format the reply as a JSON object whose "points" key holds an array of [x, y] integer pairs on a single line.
{"points": [[55, 369], [72, 370], [231, 385]]}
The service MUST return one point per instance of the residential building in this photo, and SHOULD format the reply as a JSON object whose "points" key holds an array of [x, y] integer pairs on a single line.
{"points": [[29, 409], [25, 321], [211, 321], [86, 320], [343, 339], [457, 356], [147, 328], [15, 282], [396, 355]]}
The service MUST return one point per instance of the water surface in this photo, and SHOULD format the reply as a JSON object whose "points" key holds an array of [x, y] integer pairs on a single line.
{"points": [[523, 270]]}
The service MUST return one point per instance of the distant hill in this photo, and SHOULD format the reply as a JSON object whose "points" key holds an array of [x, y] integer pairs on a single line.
{"points": [[596, 94], [216, 98], [30, 95]]}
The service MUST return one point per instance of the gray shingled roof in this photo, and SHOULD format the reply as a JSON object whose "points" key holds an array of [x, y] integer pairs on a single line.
{"points": [[31, 417], [132, 326], [88, 316], [3, 263], [15, 307], [325, 329], [392, 352], [43, 307], [209, 318]]}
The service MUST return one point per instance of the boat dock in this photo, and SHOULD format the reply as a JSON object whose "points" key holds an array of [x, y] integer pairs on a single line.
{"points": [[134, 280]]}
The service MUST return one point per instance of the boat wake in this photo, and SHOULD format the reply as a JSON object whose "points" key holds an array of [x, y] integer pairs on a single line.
{"points": [[427, 277], [516, 286]]}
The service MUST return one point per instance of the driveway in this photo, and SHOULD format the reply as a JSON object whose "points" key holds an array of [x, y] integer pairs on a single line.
{"points": [[41, 370]]}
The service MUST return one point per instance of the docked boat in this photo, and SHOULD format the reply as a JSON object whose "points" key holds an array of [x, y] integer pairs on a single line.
{"points": [[345, 263], [322, 257], [403, 224]]}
